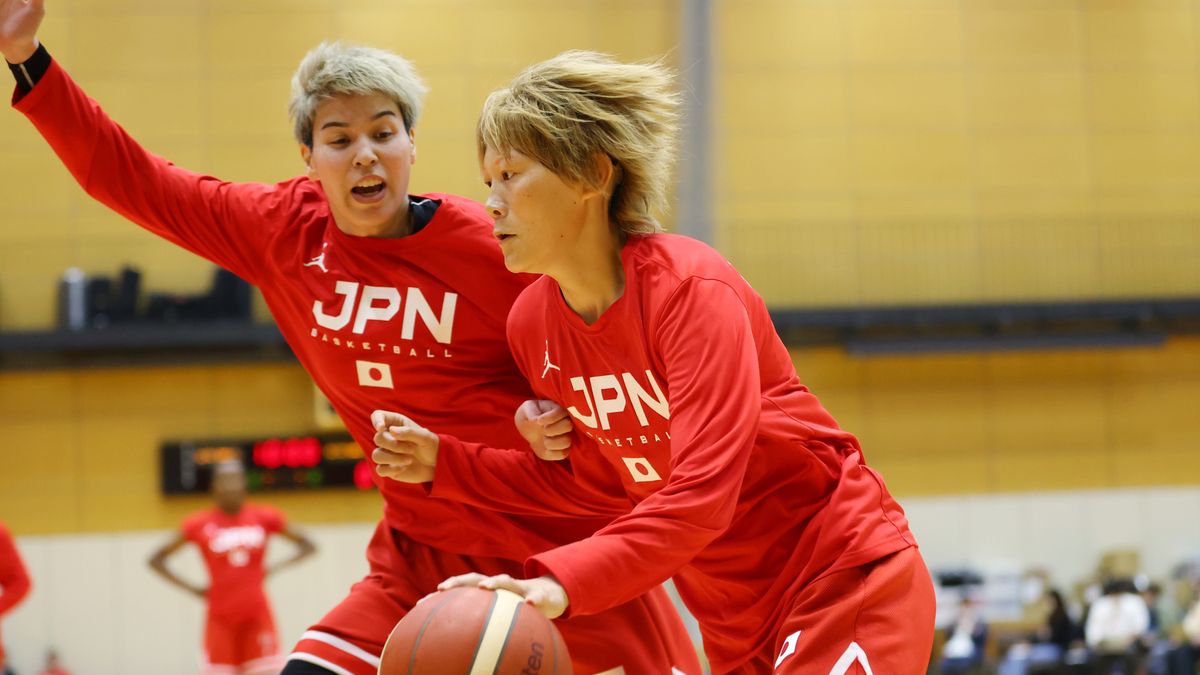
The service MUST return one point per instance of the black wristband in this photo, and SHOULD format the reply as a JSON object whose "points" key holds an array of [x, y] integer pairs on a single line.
{"points": [[30, 72]]}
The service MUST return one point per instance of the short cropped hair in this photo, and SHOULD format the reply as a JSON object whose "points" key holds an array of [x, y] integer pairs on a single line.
{"points": [[565, 111], [332, 69]]}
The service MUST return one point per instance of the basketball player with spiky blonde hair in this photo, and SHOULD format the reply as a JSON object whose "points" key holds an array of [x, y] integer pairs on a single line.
{"points": [[786, 546]]}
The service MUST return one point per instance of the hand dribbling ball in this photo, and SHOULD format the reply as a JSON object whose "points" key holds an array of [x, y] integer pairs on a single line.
{"points": [[473, 631]]}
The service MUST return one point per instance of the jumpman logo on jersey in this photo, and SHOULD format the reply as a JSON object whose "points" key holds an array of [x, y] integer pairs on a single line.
{"points": [[319, 261], [549, 366]]}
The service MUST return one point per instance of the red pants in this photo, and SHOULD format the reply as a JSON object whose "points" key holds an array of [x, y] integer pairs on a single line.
{"points": [[645, 635], [242, 646], [876, 619]]}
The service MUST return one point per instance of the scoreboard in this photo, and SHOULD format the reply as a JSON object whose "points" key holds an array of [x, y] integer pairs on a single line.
{"points": [[272, 464]]}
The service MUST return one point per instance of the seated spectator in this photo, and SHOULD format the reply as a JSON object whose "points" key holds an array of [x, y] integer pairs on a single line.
{"points": [[963, 651], [1115, 625], [1151, 596], [1156, 647], [1060, 630], [1184, 659], [1044, 653]]}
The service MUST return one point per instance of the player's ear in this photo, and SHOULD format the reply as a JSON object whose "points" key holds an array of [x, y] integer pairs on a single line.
{"points": [[306, 155], [412, 139], [603, 176]]}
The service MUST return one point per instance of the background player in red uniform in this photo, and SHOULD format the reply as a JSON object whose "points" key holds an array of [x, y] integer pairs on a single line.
{"points": [[784, 544], [239, 630], [387, 299], [14, 580]]}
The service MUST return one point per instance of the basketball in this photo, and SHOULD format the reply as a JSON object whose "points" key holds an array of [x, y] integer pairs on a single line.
{"points": [[472, 631]]}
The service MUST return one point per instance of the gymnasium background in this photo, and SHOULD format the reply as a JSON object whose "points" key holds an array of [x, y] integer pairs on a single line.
{"points": [[860, 153]]}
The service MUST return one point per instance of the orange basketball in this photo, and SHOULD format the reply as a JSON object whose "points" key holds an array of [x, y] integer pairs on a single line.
{"points": [[472, 631]]}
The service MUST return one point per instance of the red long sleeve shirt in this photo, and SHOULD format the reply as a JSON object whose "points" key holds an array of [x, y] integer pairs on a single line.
{"points": [[740, 484], [234, 547], [414, 324], [14, 579]]}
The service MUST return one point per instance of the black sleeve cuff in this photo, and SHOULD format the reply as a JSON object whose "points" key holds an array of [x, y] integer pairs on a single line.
{"points": [[31, 71]]}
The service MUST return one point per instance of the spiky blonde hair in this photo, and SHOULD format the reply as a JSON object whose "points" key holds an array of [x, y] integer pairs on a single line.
{"points": [[565, 111]]}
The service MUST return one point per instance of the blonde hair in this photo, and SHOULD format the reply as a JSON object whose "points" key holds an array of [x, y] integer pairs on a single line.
{"points": [[566, 111], [332, 69]]}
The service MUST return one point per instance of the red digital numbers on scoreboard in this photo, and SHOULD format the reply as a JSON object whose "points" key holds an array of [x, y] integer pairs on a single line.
{"points": [[294, 453], [268, 454], [272, 463], [364, 475], [301, 453]]}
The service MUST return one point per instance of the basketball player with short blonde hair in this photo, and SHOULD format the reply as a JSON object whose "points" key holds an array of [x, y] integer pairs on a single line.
{"points": [[785, 545]]}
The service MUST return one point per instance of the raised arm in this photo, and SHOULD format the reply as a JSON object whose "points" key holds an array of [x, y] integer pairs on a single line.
{"points": [[228, 223], [158, 563], [19, 24]]}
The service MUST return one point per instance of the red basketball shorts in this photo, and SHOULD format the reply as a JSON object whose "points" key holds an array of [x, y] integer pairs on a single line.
{"points": [[645, 635], [876, 619], [241, 647]]}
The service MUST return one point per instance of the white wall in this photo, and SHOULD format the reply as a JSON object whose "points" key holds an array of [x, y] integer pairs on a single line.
{"points": [[1064, 532], [95, 599]]}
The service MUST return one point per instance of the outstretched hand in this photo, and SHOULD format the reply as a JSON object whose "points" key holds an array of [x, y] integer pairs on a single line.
{"points": [[407, 451], [19, 23], [544, 593], [547, 427]]}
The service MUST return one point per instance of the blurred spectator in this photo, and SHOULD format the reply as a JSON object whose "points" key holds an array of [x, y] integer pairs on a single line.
{"points": [[963, 651], [14, 581], [1050, 643], [1184, 659], [1151, 596], [1116, 622], [1156, 647], [52, 666], [1059, 630], [1191, 623]]}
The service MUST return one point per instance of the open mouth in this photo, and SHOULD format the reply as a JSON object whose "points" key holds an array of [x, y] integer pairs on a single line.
{"points": [[369, 187]]}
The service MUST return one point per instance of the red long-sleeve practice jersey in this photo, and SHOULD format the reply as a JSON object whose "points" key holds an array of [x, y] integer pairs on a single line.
{"points": [[741, 485], [413, 324], [14, 578], [234, 549]]}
